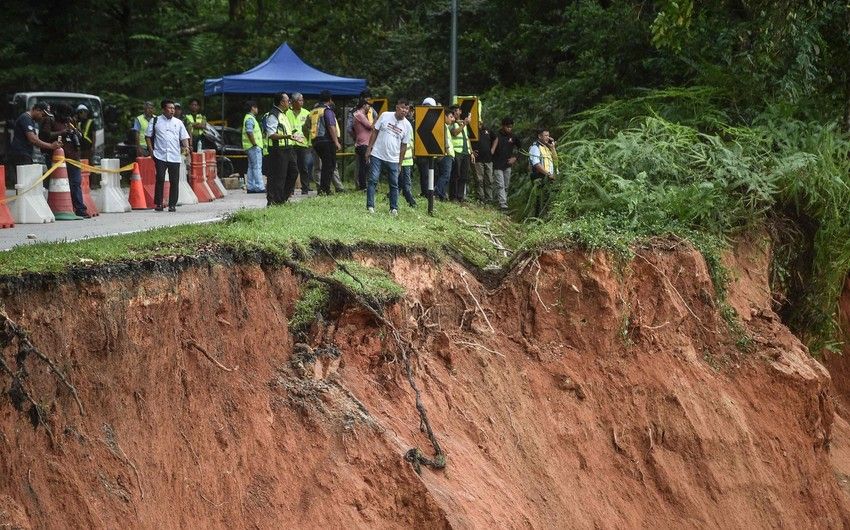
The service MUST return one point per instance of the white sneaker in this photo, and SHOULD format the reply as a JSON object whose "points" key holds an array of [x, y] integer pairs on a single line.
{"points": [[394, 212], [370, 210]]}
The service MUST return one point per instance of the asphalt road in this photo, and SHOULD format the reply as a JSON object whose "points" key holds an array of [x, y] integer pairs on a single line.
{"points": [[107, 224]]}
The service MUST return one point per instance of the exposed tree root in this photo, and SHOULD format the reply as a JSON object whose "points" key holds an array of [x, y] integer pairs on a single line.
{"points": [[477, 304], [414, 455], [192, 343], [12, 330]]}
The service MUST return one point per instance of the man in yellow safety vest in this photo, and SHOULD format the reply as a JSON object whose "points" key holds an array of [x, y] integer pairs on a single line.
{"points": [[252, 143], [463, 155], [140, 125], [297, 116], [84, 122], [542, 157], [196, 123]]}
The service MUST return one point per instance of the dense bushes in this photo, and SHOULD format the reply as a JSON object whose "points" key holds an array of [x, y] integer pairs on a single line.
{"points": [[679, 162]]}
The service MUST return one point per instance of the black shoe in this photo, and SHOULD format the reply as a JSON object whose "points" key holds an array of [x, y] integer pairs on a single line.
{"points": [[172, 208], [412, 204], [84, 215], [158, 208]]}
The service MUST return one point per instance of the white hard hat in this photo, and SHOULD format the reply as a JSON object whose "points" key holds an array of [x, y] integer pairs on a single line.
{"points": [[82, 107], [429, 101]]}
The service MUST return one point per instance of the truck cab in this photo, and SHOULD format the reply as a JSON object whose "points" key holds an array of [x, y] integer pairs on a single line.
{"points": [[23, 101]]}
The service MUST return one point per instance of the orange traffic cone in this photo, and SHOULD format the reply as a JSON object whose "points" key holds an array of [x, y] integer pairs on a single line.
{"points": [[137, 191], [59, 192], [6, 220]]}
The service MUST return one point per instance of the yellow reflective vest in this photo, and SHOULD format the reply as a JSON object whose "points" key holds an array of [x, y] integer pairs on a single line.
{"points": [[143, 123], [258, 134]]}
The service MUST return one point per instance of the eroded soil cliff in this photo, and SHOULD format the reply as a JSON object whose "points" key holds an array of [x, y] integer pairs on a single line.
{"points": [[578, 392]]}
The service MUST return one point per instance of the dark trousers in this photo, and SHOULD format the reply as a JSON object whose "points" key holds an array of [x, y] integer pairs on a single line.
{"points": [[460, 175], [301, 154], [327, 154], [283, 170], [423, 164], [173, 179], [362, 167], [75, 181]]}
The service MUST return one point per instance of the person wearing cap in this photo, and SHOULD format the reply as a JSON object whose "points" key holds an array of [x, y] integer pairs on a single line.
{"points": [[85, 122], [25, 137], [196, 123], [64, 128], [140, 125], [178, 111], [424, 163], [326, 144]]}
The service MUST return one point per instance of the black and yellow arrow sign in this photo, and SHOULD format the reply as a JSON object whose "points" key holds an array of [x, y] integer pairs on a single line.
{"points": [[380, 105], [430, 137], [469, 106]]}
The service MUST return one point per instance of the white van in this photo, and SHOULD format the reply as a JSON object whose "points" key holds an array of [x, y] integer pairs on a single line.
{"points": [[23, 101]]}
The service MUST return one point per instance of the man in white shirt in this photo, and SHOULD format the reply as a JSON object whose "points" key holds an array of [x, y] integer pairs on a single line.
{"points": [[391, 136], [167, 141]]}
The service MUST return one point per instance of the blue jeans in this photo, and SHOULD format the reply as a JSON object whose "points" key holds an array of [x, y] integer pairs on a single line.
{"points": [[254, 180], [75, 180], [444, 172], [404, 183], [375, 166]]}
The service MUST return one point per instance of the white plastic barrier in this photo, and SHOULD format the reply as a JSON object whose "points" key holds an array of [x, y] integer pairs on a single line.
{"points": [[187, 195], [110, 198], [30, 207]]}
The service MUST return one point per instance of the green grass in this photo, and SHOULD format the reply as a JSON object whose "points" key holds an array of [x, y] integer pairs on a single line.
{"points": [[340, 218], [373, 284], [313, 300]]}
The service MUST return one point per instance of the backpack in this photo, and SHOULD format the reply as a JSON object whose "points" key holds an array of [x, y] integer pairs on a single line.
{"points": [[314, 127], [263, 123]]}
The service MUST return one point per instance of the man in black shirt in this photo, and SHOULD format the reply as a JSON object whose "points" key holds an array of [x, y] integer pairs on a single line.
{"points": [[25, 137], [484, 164], [504, 159]]}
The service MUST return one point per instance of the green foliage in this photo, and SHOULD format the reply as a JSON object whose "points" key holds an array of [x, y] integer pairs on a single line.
{"points": [[674, 162], [312, 302], [374, 284]]}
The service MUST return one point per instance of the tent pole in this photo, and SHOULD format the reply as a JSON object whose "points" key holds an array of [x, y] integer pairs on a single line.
{"points": [[223, 121]]}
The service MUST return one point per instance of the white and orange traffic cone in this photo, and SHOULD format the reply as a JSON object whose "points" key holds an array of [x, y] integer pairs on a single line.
{"points": [[59, 192]]}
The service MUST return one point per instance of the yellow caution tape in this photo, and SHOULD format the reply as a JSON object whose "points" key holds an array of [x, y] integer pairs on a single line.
{"points": [[96, 169], [20, 194], [86, 167]]}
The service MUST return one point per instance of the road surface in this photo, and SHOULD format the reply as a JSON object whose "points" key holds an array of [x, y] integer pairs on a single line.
{"points": [[134, 221]]}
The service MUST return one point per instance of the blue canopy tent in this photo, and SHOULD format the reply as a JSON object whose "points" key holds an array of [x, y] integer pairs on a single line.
{"points": [[284, 71]]}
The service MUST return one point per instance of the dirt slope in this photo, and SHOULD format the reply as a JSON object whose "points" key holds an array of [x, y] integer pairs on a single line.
{"points": [[591, 395]]}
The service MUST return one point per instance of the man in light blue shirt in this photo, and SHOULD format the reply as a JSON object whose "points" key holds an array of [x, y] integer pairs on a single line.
{"points": [[167, 141]]}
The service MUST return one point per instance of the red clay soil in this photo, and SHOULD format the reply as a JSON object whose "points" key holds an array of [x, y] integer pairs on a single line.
{"points": [[579, 393]]}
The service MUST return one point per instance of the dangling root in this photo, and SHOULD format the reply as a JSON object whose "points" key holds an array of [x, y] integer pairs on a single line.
{"points": [[12, 330], [414, 455]]}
